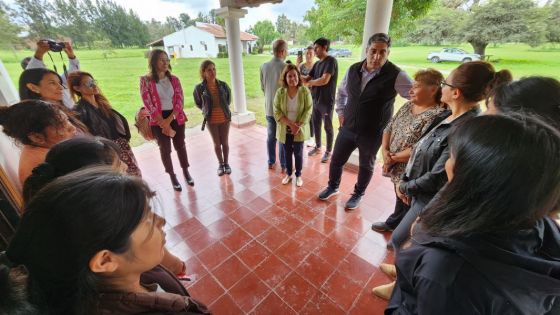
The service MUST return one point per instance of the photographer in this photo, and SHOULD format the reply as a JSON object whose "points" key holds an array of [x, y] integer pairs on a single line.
{"points": [[44, 47]]}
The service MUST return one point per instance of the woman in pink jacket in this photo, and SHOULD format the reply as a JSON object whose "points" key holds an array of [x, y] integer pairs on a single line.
{"points": [[162, 95]]}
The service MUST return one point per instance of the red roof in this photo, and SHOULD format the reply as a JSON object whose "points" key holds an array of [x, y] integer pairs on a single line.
{"points": [[218, 31]]}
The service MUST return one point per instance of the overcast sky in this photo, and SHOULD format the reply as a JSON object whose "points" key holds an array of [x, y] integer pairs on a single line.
{"points": [[159, 9]]}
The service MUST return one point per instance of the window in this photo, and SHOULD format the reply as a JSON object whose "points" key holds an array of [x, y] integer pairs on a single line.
{"points": [[191, 47], [205, 47]]}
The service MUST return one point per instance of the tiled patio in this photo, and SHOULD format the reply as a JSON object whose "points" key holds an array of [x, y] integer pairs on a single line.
{"points": [[255, 246]]}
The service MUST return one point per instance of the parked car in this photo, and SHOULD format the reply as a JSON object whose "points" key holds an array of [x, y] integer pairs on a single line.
{"points": [[294, 50], [452, 54], [340, 52]]}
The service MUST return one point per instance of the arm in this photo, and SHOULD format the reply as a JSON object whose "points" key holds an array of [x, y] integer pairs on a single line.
{"points": [[228, 97], [307, 106], [147, 98], [403, 84], [342, 98], [73, 62], [323, 80], [262, 78], [431, 181], [197, 96], [278, 114], [402, 156]]}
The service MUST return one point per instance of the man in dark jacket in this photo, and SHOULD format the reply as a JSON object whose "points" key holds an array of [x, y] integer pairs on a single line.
{"points": [[365, 105]]}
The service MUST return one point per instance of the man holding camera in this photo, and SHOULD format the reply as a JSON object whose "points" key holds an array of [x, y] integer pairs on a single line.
{"points": [[43, 47]]}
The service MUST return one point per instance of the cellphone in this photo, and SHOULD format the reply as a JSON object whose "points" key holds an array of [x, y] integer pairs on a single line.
{"points": [[300, 53]]}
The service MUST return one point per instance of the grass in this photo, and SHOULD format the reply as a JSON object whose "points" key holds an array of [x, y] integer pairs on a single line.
{"points": [[118, 74]]}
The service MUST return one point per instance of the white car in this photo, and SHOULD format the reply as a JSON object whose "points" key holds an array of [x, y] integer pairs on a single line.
{"points": [[452, 54]]}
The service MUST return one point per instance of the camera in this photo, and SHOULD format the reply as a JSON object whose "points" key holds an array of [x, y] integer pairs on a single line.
{"points": [[55, 46]]}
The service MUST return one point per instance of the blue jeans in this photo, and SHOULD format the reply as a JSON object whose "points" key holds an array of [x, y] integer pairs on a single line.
{"points": [[294, 149], [271, 144]]}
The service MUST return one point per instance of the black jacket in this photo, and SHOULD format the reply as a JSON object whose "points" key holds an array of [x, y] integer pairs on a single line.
{"points": [[111, 128], [369, 111], [517, 273], [203, 98], [427, 175]]}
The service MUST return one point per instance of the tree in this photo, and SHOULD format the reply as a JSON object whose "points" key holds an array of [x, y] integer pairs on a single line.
{"points": [[158, 30], [266, 33], [553, 22], [442, 24], [73, 23], [173, 23], [345, 18], [283, 24], [500, 21], [8, 29], [36, 14], [185, 20]]}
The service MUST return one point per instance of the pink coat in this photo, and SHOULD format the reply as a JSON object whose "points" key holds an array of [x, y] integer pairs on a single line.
{"points": [[152, 101]]}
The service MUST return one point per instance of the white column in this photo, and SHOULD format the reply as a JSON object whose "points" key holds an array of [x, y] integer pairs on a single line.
{"points": [[241, 116], [378, 18]]}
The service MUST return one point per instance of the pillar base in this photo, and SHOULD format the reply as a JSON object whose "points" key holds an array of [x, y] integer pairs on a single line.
{"points": [[243, 120]]}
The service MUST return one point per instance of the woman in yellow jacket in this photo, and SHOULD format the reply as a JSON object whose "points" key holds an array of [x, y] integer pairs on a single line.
{"points": [[292, 109]]}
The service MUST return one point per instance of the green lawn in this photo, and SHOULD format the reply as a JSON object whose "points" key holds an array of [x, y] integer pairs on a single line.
{"points": [[118, 74]]}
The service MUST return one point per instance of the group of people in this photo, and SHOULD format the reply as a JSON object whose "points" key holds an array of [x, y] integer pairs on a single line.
{"points": [[473, 227]]}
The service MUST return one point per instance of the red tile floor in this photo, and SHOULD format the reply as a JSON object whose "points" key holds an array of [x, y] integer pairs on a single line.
{"points": [[255, 246]]}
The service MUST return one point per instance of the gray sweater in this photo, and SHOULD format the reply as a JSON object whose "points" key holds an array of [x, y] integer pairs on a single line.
{"points": [[270, 76]]}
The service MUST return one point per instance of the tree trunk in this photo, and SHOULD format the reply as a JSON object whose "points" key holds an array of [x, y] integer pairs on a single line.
{"points": [[479, 47]]}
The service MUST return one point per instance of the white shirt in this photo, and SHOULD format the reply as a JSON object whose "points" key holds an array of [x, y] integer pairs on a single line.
{"points": [[292, 107], [165, 92]]}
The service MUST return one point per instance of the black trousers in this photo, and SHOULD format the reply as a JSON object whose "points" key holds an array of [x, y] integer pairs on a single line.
{"points": [[318, 117], [398, 214], [164, 144], [220, 137], [295, 149], [346, 142]]}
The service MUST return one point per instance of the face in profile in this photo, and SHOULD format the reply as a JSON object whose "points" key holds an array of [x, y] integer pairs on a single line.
{"points": [[88, 86], [422, 93], [49, 88], [147, 243], [319, 50], [162, 64], [55, 134]]}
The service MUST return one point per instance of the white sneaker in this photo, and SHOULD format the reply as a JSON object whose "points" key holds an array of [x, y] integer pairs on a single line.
{"points": [[286, 179], [299, 181]]}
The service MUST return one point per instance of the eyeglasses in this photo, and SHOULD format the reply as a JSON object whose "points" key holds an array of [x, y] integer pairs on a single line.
{"points": [[91, 83], [443, 83]]}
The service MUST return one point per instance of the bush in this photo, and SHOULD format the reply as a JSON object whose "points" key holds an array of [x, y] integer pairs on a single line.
{"points": [[222, 54]]}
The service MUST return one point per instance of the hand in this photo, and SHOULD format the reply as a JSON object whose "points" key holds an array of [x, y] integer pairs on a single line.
{"points": [[69, 50], [295, 128], [386, 168], [387, 159], [299, 59], [402, 196], [42, 48], [341, 120]]}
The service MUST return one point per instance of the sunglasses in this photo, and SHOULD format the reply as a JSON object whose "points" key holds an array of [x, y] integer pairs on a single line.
{"points": [[443, 84], [91, 83]]}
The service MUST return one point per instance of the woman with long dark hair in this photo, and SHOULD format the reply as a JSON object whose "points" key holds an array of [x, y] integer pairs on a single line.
{"points": [[486, 244], [104, 258], [424, 176], [213, 97], [101, 119], [37, 126], [162, 95]]}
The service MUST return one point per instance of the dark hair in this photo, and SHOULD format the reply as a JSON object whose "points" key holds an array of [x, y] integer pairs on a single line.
{"points": [[535, 95], [203, 66], [476, 79], [289, 67], [321, 41], [379, 38], [68, 156], [24, 62], [33, 76], [67, 223], [14, 289], [496, 159], [154, 58], [430, 77], [75, 79], [29, 116]]}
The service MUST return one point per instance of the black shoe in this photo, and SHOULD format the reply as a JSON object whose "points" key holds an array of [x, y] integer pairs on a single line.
{"points": [[220, 170], [354, 201], [227, 169], [270, 166], [381, 227], [175, 182], [314, 151], [326, 157], [188, 177], [327, 193]]}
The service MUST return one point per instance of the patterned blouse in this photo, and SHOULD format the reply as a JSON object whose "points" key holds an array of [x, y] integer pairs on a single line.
{"points": [[406, 129]]}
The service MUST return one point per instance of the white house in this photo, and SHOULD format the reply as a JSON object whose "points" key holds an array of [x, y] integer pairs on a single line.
{"points": [[203, 40]]}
